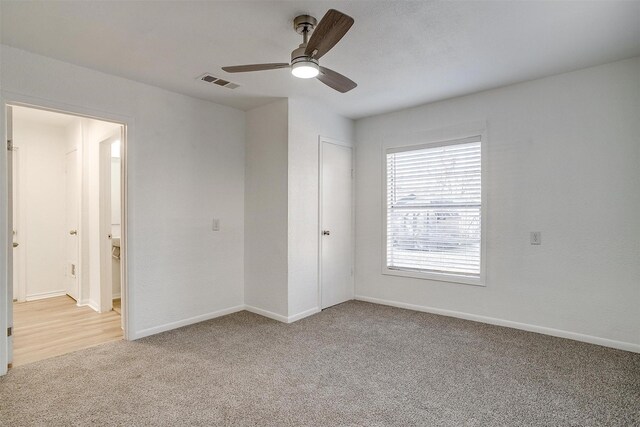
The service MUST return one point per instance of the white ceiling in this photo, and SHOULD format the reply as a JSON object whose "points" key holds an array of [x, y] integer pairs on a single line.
{"points": [[401, 53]]}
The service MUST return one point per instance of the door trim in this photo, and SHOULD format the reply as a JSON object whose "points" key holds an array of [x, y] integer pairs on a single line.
{"points": [[105, 297], [6, 295], [18, 254], [9, 99], [326, 140]]}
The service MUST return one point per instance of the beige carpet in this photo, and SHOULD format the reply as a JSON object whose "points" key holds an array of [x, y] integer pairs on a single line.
{"points": [[356, 364]]}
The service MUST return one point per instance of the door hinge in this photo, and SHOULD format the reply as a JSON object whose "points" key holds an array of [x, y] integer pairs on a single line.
{"points": [[9, 145], [9, 331]]}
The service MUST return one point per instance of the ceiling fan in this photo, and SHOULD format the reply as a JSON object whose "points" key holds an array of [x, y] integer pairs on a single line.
{"points": [[304, 60]]}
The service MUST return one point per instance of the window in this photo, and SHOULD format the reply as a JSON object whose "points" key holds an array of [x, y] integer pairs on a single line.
{"points": [[434, 208]]}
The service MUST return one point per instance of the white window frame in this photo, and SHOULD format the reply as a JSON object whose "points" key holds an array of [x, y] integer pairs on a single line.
{"points": [[422, 142]]}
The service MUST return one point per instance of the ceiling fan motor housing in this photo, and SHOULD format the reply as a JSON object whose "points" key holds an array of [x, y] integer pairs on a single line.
{"points": [[298, 55], [304, 23]]}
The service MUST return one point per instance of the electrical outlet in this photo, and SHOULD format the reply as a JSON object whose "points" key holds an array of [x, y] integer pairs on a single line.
{"points": [[536, 238], [215, 225]]}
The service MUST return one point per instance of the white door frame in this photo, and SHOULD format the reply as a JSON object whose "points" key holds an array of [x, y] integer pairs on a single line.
{"points": [[321, 141], [18, 253], [7, 100], [6, 299], [105, 301]]}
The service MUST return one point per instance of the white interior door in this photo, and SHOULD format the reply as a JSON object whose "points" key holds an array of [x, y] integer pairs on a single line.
{"points": [[72, 207], [18, 235], [106, 274], [10, 275], [336, 220]]}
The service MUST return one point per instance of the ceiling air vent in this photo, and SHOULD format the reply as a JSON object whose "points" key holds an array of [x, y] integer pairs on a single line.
{"points": [[208, 78]]}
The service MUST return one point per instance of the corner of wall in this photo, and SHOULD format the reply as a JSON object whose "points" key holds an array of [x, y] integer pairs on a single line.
{"points": [[265, 227]]}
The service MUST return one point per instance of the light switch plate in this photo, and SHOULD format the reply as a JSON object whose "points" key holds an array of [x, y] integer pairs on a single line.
{"points": [[536, 238], [215, 225]]}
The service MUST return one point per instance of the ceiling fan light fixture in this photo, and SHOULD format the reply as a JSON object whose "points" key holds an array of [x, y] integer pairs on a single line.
{"points": [[304, 59], [305, 69]]}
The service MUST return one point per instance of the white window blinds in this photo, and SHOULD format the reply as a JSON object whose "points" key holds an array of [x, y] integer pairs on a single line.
{"points": [[434, 202]]}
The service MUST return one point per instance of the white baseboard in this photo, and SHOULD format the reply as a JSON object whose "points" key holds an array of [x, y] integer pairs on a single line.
{"points": [[280, 317], [174, 325], [43, 295], [185, 322], [620, 345], [303, 314], [267, 313], [91, 304], [115, 296]]}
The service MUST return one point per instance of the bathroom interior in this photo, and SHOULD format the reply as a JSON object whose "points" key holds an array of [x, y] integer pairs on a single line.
{"points": [[67, 220]]}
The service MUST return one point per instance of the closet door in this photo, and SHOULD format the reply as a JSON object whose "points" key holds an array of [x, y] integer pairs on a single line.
{"points": [[336, 219]]}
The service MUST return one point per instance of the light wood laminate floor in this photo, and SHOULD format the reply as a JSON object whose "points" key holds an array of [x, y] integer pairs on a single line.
{"points": [[54, 326]]}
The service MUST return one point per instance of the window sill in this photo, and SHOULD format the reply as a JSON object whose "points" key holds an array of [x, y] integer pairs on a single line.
{"points": [[440, 277]]}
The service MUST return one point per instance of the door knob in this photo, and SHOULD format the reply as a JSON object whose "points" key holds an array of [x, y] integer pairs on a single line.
{"points": [[15, 244], [326, 232], [73, 232]]}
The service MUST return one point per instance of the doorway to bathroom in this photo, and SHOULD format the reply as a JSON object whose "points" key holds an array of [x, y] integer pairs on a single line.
{"points": [[67, 177]]}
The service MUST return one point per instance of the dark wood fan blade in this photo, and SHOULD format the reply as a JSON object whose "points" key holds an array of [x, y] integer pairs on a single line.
{"points": [[332, 27], [336, 80], [255, 67]]}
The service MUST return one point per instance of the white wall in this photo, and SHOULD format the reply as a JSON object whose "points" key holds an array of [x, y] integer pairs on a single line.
{"points": [[74, 136], [307, 121], [93, 133], [281, 204], [563, 159], [186, 166], [75, 143], [266, 208], [41, 231], [43, 183]]}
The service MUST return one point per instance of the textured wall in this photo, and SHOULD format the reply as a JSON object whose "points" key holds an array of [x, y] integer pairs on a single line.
{"points": [[186, 166], [563, 159], [266, 208]]}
